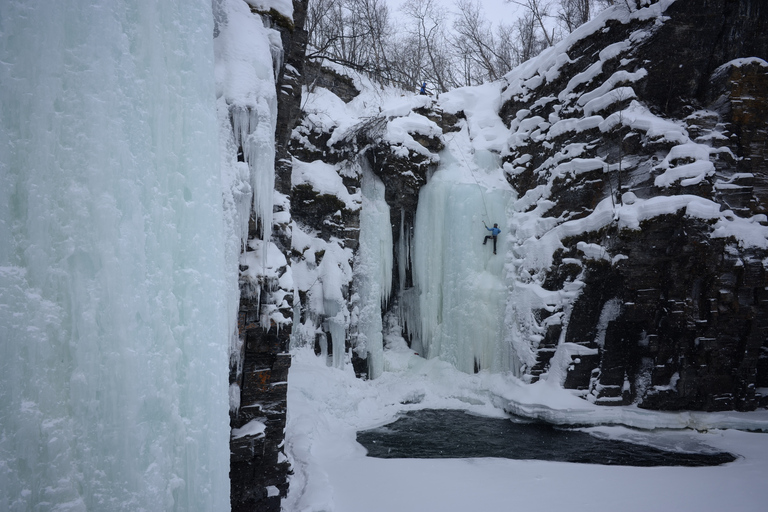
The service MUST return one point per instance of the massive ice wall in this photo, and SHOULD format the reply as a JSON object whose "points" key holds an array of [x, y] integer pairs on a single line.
{"points": [[113, 329], [462, 290]]}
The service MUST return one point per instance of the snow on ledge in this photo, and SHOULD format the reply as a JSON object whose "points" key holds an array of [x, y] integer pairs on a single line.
{"points": [[325, 179], [633, 416], [745, 61], [688, 174], [749, 232], [284, 7], [252, 428], [265, 259]]}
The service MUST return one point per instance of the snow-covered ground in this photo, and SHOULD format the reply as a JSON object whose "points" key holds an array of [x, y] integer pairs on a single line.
{"points": [[328, 405]]}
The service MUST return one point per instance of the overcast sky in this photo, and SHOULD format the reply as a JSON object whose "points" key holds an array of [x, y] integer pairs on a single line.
{"points": [[494, 10]]}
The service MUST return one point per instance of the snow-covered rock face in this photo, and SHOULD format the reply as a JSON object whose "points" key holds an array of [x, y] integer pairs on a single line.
{"points": [[358, 165], [634, 231], [641, 227]]}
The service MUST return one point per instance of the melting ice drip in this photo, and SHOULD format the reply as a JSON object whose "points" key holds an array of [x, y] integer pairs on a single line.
{"points": [[461, 291], [113, 321]]}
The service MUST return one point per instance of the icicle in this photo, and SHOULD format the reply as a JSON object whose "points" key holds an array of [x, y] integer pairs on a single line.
{"points": [[295, 340], [408, 299], [323, 342], [259, 152], [338, 332], [402, 253], [276, 50], [373, 267]]}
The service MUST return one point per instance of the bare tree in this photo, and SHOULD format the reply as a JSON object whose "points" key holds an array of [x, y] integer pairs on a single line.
{"points": [[529, 44], [407, 61], [505, 48], [323, 25], [445, 49], [355, 33], [574, 13], [475, 41], [372, 20], [426, 37], [539, 10]]}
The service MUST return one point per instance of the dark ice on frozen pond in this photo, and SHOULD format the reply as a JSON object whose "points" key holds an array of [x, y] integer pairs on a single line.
{"points": [[427, 434]]}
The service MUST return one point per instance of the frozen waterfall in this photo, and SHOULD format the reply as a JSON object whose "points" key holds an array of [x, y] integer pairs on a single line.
{"points": [[461, 291], [113, 317], [373, 267]]}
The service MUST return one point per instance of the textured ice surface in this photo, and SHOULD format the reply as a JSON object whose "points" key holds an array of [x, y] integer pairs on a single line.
{"points": [[460, 282], [373, 268], [113, 359]]}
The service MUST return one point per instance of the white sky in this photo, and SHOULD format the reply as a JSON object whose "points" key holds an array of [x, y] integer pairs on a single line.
{"points": [[494, 10]]}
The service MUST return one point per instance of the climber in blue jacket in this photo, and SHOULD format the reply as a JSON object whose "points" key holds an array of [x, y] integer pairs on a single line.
{"points": [[494, 233]]}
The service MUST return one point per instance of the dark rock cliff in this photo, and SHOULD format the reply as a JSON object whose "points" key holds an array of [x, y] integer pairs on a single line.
{"points": [[669, 314], [259, 468]]}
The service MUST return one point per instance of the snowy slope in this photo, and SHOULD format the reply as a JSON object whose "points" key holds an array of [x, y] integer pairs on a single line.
{"points": [[328, 406]]}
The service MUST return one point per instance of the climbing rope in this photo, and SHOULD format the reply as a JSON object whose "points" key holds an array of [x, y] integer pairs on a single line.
{"points": [[482, 195]]}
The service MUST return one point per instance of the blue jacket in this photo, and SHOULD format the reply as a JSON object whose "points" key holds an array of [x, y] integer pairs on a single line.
{"points": [[494, 231]]}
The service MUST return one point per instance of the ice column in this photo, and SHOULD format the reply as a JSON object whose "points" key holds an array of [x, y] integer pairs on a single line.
{"points": [[373, 268], [460, 282], [247, 111], [113, 328], [246, 90]]}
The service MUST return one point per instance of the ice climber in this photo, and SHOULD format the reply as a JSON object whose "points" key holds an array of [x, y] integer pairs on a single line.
{"points": [[494, 233]]}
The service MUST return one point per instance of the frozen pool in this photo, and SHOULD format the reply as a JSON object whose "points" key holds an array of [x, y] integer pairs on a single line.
{"points": [[430, 433]]}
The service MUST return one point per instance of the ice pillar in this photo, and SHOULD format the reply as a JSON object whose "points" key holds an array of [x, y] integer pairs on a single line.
{"points": [[113, 328], [460, 282], [373, 268]]}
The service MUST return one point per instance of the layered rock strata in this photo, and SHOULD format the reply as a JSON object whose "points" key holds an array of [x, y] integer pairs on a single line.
{"points": [[666, 309]]}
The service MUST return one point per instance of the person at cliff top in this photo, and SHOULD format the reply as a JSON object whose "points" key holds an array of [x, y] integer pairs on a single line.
{"points": [[423, 90], [494, 233]]}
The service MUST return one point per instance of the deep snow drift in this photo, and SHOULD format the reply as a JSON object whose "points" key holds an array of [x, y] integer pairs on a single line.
{"points": [[113, 315]]}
